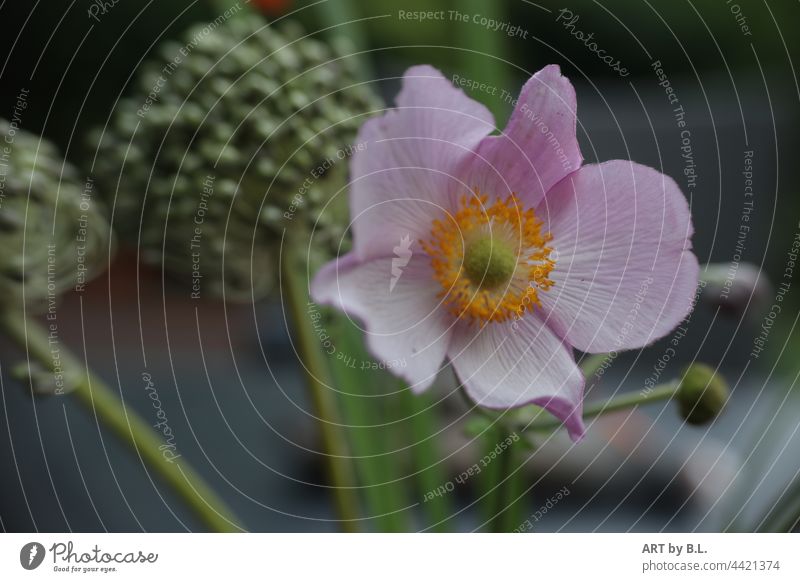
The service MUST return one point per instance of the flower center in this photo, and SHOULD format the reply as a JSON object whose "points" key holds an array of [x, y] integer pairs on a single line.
{"points": [[489, 263], [491, 260]]}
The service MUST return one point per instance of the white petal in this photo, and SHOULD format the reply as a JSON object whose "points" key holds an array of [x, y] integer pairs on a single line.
{"points": [[504, 365], [398, 306], [404, 169], [624, 276]]}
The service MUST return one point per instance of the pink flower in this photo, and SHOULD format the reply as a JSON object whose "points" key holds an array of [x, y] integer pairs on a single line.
{"points": [[501, 253]]}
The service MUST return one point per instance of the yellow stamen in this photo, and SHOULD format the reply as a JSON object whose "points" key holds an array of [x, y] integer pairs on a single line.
{"points": [[491, 261]]}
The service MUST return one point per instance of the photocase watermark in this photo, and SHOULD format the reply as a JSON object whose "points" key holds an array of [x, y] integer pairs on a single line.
{"points": [[744, 226], [679, 114], [474, 470], [760, 342], [569, 20], [630, 320], [69, 560], [671, 351], [6, 150], [492, 24], [101, 7], [85, 204], [352, 362], [168, 450], [474, 85], [314, 314], [551, 502], [94, 560], [206, 191], [349, 361], [739, 16], [53, 341], [402, 255], [318, 172], [177, 60], [529, 114], [31, 555]]}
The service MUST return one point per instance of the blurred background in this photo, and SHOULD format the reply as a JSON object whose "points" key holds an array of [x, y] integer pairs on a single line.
{"points": [[229, 378]]}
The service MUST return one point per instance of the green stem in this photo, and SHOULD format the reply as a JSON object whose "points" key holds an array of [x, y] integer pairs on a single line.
{"points": [[661, 392], [426, 456], [483, 54], [370, 437], [590, 364], [500, 480], [341, 18], [490, 478], [128, 426], [506, 487], [320, 385], [512, 516]]}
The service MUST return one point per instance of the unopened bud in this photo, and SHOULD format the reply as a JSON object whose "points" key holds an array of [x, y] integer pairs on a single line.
{"points": [[736, 288], [702, 394]]}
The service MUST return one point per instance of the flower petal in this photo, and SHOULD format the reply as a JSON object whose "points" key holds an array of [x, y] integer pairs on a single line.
{"points": [[503, 365], [403, 171], [539, 146], [398, 305], [624, 276]]}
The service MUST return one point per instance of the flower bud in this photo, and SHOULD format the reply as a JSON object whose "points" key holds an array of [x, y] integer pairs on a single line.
{"points": [[52, 236], [736, 288], [236, 134], [702, 394]]}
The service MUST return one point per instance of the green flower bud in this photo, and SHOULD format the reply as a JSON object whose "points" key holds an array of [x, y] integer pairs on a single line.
{"points": [[52, 235], [236, 134], [702, 394]]}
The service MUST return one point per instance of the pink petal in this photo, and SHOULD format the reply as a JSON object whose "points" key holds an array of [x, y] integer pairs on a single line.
{"points": [[503, 365], [624, 276], [404, 170], [539, 146], [404, 325]]}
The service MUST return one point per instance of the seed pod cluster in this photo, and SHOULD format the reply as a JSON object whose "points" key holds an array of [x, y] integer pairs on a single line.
{"points": [[53, 234], [234, 135]]}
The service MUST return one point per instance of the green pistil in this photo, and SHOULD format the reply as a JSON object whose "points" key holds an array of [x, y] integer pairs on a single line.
{"points": [[489, 263]]}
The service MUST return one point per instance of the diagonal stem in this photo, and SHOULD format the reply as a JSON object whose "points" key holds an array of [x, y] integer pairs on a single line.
{"points": [[320, 384], [661, 392], [110, 409]]}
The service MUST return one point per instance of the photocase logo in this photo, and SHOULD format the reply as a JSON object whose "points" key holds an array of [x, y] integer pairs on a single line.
{"points": [[31, 555], [402, 255]]}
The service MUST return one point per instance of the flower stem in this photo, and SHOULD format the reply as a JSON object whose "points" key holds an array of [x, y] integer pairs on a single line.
{"points": [[490, 478], [342, 19], [509, 475], [370, 434], [426, 458], [590, 364], [323, 397], [661, 392], [128, 426], [482, 54]]}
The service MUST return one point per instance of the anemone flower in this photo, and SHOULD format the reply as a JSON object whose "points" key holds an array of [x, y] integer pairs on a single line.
{"points": [[500, 253]]}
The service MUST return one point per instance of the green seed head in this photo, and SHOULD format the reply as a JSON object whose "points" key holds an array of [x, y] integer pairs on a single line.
{"points": [[702, 394], [53, 235], [489, 263], [228, 144]]}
